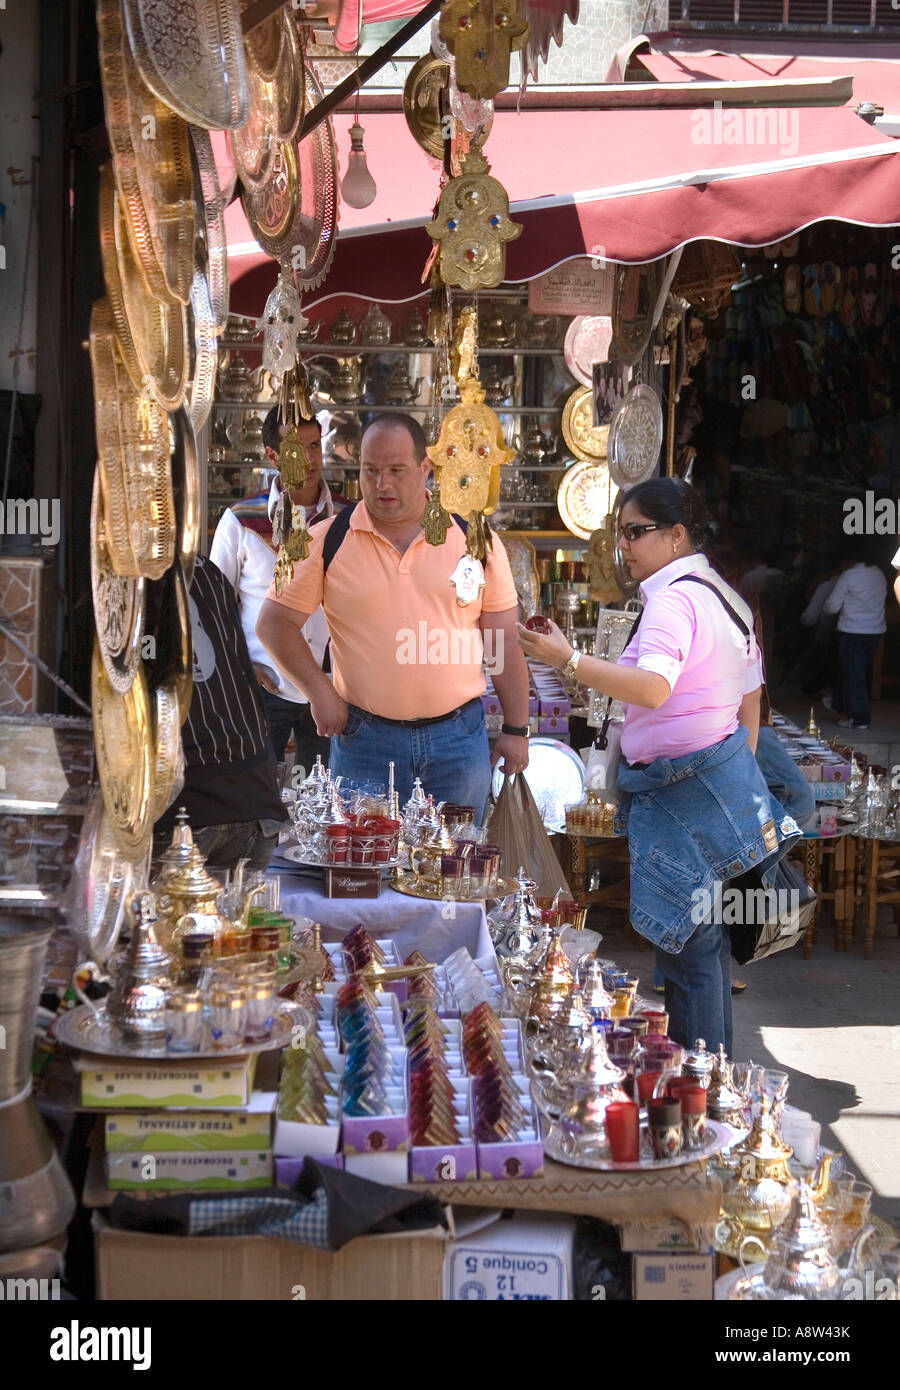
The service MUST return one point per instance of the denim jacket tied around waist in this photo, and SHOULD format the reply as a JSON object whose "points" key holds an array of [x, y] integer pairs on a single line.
{"points": [[690, 821]]}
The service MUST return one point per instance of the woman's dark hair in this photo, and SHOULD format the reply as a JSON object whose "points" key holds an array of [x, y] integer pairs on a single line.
{"points": [[670, 501], [396, 420]]}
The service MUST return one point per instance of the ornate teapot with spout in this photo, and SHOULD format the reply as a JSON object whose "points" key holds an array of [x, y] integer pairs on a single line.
{"points": [[586, 1089], [345, 383], [698, 1063], [497, 327], [564, 1050], [137, 1000], [722, 1100], [415, 332], [515, 925], [540, 994], [801, 1264], [757, 1196], [425, 857], [532, 446], [496, 388], [597, 1000], [400, 390], [343, 329], [376, 326]]}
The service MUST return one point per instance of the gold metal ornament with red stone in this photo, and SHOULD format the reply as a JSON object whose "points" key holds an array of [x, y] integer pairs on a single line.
{"points": [[481, 35], [467, 459], [472, 227]]}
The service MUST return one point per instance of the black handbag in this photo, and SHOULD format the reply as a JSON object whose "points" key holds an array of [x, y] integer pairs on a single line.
{"points": [[770, 926]]}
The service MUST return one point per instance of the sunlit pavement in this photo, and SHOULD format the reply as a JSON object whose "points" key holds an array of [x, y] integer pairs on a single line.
{"points": [[833, 1023]]}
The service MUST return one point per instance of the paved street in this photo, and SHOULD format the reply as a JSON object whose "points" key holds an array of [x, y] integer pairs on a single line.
{"points": [[833, 1023]]}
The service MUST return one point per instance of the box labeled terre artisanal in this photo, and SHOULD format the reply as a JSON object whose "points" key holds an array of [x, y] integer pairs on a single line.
{"points": [[145, 1131], [172, 1172], [187, 1085]]}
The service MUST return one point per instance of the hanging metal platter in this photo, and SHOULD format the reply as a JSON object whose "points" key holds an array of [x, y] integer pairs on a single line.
{"points": [[584, 498], [133, 447], [635, 437], [151, 164], [317, 218], [152, 333], [118, 604], [168, 767], [186, 492], [123, 744], [290, 83], [627, 585], [204, 353], [582, 437], [191, 54], [587, 341], [555, 777], [634, 303], [273, 211], [210, 218], [253, 143], [265, 43], [102, 883]]}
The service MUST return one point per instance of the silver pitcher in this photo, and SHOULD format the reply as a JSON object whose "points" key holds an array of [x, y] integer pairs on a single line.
{"points": [[36, 1198]]}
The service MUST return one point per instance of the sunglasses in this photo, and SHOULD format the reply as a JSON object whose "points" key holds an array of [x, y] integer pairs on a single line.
{"points": [[633, 530]]}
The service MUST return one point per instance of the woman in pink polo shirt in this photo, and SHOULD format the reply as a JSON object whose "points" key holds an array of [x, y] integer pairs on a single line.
{"points": [[695, 806]]}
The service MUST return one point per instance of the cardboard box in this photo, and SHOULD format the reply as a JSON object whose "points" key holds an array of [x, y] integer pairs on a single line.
{"points": [[186, 1085], [526, 1259], [135, 1266], [668, 1277], [180, 1131], [342, 881], [388, 1168], [175, 1172], [288, 1170], [661, 1235]]}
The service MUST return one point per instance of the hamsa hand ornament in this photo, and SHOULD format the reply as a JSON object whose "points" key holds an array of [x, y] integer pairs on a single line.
{"points": [[467, 459], [481, 35], [472, 227], [293, 462]]}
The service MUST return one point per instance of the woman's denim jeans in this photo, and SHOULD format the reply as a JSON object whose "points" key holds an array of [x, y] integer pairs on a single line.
{"points": [[452, 757], [698, 988]]}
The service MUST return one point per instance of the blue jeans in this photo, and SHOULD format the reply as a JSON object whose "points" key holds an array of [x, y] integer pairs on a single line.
{"points": [[851, 696], [698, 988], [451, 757]]}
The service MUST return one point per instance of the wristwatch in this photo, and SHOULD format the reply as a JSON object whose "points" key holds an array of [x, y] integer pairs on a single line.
{"points": [[516, 730], [571, 665]]}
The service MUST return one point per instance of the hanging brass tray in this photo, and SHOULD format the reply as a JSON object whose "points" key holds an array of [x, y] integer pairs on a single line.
{"points": [[168, 767], [151, 163], [152, 332], [421, 103], [118, 604], [585, 497], [290, 83], [135, 474], [102, 884], [204, 353], [123, 745], [253, 143], [265, 43], [316, 222], [191, 54], [583, 439]]}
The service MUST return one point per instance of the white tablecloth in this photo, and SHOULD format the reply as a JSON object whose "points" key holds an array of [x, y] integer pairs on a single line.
{"points": [[437, 929]]}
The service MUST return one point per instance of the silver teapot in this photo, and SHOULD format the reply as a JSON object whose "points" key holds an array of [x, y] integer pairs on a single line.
{"points": [[415, 332], [137, 1001], [698, 1063], [343, 329], [400, 390], [376, 326], [801, 1265], [590, 1086], [515, 924], [723, 1103], [589, 977]]}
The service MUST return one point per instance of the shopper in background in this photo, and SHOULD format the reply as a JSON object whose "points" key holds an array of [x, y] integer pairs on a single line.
{"points": [[694, 802], [858, 599], [230, 780], [243, 550], [396, 697]]}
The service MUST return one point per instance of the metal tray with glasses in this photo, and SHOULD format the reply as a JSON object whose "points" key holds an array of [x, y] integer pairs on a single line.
{"points": [[90, 1030], [412, 887], [296, 854], [716, 1137]]}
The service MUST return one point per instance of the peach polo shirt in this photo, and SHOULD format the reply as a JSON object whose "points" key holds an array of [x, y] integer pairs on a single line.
{"points": [[401, 646]]}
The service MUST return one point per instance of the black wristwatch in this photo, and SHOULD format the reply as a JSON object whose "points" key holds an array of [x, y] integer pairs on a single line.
{"points": [[516, 730]]}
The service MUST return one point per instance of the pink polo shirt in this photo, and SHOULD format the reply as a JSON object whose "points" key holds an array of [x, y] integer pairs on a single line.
{"points": [[687, 637]]}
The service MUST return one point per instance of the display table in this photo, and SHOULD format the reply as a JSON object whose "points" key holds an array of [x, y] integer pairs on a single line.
{"points": [[435, 928]]}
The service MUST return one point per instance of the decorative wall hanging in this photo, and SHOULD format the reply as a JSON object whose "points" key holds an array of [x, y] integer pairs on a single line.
{"points": [[481, 35], [634, 302], [281, 322], [422, 103], [123, 745], [635, 437], [583, 439], [118, 604], [467, 459], [472, 227]]}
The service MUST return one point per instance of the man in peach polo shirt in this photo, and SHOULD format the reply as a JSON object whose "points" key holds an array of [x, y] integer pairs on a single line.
{"points": [[406, 654]]}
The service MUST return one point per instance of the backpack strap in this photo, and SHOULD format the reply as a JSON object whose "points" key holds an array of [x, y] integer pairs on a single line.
{"points": [[732, 613], [335, 535], [341, 525]]}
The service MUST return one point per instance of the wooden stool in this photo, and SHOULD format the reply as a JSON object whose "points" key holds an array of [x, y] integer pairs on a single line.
{"points": [[830, 867], [879, 883]]}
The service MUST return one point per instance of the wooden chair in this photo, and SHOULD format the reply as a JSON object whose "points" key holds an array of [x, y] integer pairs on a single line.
{"points": [[878, 882], [830, 870], [579, 855]]}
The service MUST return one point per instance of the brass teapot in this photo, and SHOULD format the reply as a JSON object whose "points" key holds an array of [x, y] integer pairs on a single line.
{"points": [[343, 329], [540, 993], [723, 1103], [801, 1264], [400, 390], [597, 999], [497, 327], [346, 385], [532, 446], [496, 388], [415, 332]]}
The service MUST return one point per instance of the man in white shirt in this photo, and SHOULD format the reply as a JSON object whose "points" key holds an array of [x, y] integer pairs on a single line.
{"points": [[243, 550], [858, 600]]}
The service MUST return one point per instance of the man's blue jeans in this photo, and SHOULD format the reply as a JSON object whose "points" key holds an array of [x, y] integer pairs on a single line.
{"points": [[698, 988], [857, 652], [451, 757]]}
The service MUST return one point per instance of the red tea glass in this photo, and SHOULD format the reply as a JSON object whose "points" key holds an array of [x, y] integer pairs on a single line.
{"points": [[658, 1021], [622, 1131], [338, 840], [362, 845], [646, 1081]]}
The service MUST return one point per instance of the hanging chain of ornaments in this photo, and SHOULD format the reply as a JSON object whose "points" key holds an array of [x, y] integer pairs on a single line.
{"points": [[472, 227]]}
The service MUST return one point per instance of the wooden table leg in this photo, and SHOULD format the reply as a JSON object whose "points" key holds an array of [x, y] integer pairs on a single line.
{"points": [[872, 891], [813, 861], [840, 879], [849, 890]]}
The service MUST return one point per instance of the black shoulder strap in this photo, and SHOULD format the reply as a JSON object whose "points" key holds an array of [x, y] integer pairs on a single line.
{"points": [[341, 525], [335, 535], [735, 616]]}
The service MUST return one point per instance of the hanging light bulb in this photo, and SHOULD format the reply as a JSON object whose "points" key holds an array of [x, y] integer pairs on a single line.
{"points": [[357, 186]]}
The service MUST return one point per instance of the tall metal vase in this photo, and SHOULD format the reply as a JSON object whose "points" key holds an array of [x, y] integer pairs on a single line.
{"points": [[36, 1198]]}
